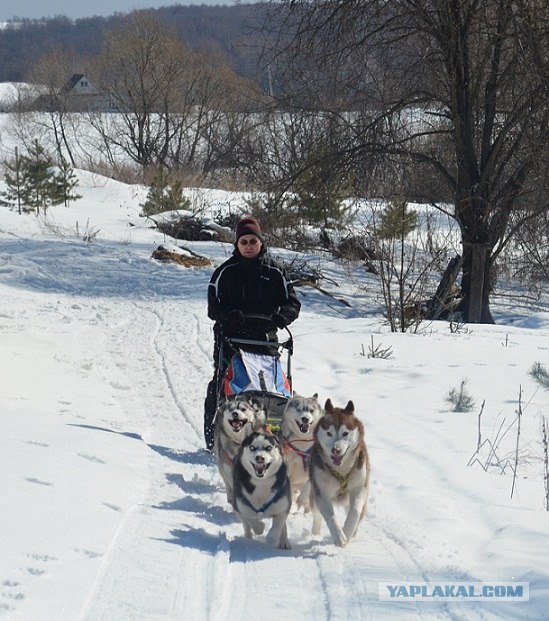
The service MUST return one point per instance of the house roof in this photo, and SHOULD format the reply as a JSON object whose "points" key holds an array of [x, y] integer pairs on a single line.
{"points": [[72, 82]]}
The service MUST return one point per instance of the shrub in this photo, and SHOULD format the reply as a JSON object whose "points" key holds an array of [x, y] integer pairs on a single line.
{"points": [[460, 399]]}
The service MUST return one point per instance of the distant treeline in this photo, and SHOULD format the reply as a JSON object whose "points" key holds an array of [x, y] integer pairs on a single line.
{"points": [[236, 31]]}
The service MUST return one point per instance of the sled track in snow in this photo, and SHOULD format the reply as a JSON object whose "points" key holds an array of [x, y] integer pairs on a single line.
{"points": [[159, 391], [190, 350], [183, 540], [164, 373]]}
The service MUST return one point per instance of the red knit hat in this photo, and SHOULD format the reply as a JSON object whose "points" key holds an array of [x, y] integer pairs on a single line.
{"points": [[248, 226]]}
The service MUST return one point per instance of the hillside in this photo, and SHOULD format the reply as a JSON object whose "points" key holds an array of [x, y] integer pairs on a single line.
{"points": [[231, 29]]}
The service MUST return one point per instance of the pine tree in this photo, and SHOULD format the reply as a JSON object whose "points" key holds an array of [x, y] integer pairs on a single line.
{"points": [[37, 182], [540, 373], [397, 221], [14, 180], [33, 183], [320, 190], [64, 183], [163, 196]]}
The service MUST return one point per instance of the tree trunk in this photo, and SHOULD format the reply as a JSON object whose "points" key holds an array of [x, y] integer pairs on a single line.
{"points": [[476, 283]]}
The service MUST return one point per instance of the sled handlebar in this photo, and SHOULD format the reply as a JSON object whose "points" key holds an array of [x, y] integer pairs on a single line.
{"points": [[287, 344], [267, 319]]}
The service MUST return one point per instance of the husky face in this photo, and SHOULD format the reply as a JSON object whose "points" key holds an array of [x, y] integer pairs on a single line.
{"points": [[339, 432], [239, 416], [260, 454], [301, 416]]}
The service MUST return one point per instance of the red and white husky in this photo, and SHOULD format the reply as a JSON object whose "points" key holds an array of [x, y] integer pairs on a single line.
{"points": [[339, 471]]}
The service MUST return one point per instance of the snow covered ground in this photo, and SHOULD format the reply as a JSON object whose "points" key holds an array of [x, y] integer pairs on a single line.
{"points": [[111, 510]]}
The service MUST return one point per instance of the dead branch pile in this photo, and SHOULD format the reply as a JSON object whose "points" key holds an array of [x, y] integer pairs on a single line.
{"points": [[193, 229], [187, 260]]}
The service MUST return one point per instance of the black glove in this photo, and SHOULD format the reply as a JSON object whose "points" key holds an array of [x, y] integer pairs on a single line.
{"points": [[279, 321], [235, 320]]}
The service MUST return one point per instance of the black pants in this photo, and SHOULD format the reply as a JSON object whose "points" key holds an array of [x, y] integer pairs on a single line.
{"points": [[210, 405], [213, 389]]}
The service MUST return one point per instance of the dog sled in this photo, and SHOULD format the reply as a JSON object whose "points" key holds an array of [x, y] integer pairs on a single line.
{"points": [[254, 368]]}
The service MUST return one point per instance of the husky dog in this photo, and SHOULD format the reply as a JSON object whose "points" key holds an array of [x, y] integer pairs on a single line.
{"points": [[299, 420], [234, 420], [339, 471], [261, 488]]}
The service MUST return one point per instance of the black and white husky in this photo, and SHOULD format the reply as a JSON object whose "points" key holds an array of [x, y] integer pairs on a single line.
{"points": [[339, 471], [235, 419], [261, 488], [299, 421]]}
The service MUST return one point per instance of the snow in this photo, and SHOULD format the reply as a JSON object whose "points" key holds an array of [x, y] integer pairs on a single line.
{"points": [[110, 509]]}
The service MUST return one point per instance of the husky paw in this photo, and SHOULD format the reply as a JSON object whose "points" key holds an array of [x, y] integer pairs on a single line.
{"points": [[258, 527], [280, 541], [339, 538]]}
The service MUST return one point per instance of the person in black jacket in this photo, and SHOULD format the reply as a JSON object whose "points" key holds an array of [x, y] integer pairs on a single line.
{"points": [[250, 282]]}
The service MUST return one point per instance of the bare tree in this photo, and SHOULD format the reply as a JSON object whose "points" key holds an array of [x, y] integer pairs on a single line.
{"points": [[459, 86], [44, 105], [142, 68], [172, 102], [222, 101]]}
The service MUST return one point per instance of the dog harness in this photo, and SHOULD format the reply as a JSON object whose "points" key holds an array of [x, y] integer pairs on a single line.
{"points": [[343, 480], [287, 446], [226, 453], [264, 508], [228, 458]]}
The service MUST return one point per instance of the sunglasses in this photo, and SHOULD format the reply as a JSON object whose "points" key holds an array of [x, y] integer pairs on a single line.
{"points": [[245, 242]]}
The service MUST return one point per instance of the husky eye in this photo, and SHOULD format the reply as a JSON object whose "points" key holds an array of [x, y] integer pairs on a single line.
{"points": [[329, 434], [269, 448], [252, 448], [345, 434]]}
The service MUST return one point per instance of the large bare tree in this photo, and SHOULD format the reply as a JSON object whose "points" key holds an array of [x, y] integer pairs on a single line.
{"points": [[459, 86], [173, 102], [143, 69]]}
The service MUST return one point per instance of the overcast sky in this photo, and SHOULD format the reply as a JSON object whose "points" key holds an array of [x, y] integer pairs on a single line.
{"points": [[79, 8]]}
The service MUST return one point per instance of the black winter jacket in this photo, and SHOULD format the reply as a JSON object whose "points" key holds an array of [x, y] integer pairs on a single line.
{"points": [[258, 286]]}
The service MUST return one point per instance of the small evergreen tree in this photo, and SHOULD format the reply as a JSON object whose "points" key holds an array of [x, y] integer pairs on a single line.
{"points": [[320, 190], [397, 221], [540, 373], [14, 180], [38, 185], [163, 196], [33, 184], [64, 183], [460, 399]]}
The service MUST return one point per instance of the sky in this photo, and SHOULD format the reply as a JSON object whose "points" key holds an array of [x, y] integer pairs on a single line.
{"points": [[110, 509], [35, 9]]}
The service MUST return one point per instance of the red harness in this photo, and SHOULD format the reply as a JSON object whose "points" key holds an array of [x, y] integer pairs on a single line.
{"points": [[287, 447]]}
